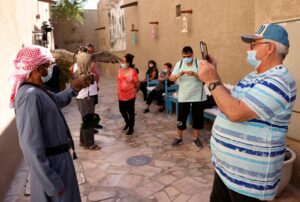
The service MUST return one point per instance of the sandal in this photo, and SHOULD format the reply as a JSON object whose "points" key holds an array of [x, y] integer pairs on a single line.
{"points": [[94, 147]]}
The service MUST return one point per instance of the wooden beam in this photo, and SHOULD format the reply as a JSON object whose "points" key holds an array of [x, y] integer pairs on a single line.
{"points": [[100, 28], [132, 28], [48, 1], [135, 3], [187, 11]]}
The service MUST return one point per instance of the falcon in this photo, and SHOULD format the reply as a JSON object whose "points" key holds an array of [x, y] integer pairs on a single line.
{"points": [[84, 59]]}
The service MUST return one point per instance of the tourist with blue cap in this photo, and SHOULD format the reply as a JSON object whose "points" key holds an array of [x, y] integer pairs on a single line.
{"points": [[248, 136]]}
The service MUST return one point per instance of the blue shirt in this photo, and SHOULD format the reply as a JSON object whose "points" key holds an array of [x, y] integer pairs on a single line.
{"points": [[248, 156]]}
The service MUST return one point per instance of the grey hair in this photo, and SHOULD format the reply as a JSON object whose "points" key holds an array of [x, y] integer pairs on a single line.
{"points": [[281, 49]]}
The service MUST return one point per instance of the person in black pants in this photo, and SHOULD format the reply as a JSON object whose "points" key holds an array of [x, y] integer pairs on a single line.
{"points": [[191, 93], [128, 82], [90, 50], [157, 92], [152, 74], [127, 110], [221, 192]]}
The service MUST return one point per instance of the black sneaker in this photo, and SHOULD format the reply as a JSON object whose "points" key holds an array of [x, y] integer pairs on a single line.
{"points": [[96, 131], [146, 110], [176, 142], [129, 132], [198, 143], [99, 126], [126, 127]]}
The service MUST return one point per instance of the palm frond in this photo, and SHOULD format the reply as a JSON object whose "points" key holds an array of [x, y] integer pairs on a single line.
{"points": [[68, 11]]}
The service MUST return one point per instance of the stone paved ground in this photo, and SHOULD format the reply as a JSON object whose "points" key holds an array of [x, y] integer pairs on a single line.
{"points": [[176, 174]]}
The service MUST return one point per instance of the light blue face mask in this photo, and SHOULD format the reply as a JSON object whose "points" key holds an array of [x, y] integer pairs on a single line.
{"points": [[251, 59], [49, 75], [123, 65], [188, 60]]}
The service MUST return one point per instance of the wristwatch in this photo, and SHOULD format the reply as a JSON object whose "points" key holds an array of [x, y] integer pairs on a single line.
{"points": [[213, 85]]}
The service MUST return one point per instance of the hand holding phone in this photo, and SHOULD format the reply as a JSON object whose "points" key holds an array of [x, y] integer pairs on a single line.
{"points": [[204, 52], [203, 49]]}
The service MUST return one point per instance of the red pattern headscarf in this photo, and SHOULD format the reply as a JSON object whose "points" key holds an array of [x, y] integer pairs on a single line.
{"points": [[26, 61]]}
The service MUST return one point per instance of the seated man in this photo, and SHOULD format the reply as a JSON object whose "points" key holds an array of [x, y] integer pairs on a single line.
{"points": [[159, 89]]}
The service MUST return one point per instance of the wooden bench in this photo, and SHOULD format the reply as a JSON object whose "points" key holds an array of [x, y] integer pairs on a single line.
{"points": [[209, 113], [212, 113], [168, 95]]}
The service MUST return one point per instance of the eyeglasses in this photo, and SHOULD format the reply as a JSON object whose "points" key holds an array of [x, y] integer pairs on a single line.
{"points": [[253, 44]]}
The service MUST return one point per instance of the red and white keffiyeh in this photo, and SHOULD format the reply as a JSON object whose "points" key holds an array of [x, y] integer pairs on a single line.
{"points": [[26, 61]]}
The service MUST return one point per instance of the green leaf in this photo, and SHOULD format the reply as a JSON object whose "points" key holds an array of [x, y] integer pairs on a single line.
{"points": [[68, 11]]}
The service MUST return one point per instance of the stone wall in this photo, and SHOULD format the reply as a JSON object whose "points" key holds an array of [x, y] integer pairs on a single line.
{"points": [[218, 24], [68, 35], [18, 21], [278, 10]]}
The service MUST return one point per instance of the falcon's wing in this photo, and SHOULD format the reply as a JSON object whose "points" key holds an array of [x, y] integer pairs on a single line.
{"points": [[62, 54], [106, 57]]}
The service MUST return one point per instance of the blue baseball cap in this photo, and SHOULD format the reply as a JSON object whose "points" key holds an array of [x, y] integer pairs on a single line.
{"points": [[274, 32]]}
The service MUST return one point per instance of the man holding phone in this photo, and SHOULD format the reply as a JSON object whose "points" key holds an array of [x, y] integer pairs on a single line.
{"points": [[248, 136], [186, 72]]}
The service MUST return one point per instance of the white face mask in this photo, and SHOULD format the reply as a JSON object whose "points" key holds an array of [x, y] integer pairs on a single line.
{"points": [[123, 65], [188, 60], [252, 60], [49, 75]]}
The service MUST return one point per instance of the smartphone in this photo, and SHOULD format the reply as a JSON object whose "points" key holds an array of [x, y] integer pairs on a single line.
{"points": [[203, 49]]}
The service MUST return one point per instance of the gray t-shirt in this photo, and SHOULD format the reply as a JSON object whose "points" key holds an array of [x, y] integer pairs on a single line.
{"points": [[191, 89]]}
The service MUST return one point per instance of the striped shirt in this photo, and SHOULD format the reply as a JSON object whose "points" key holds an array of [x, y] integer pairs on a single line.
{"points": [[248, 156]]}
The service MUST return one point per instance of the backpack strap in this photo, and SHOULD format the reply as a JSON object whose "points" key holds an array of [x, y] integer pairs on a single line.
{"points": [[180, 64], [195, 62]]}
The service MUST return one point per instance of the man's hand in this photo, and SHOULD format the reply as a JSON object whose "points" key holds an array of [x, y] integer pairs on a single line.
{"points": [[190, 73], [180, 74], [90, 79], [78, 84], [207, 71]]}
